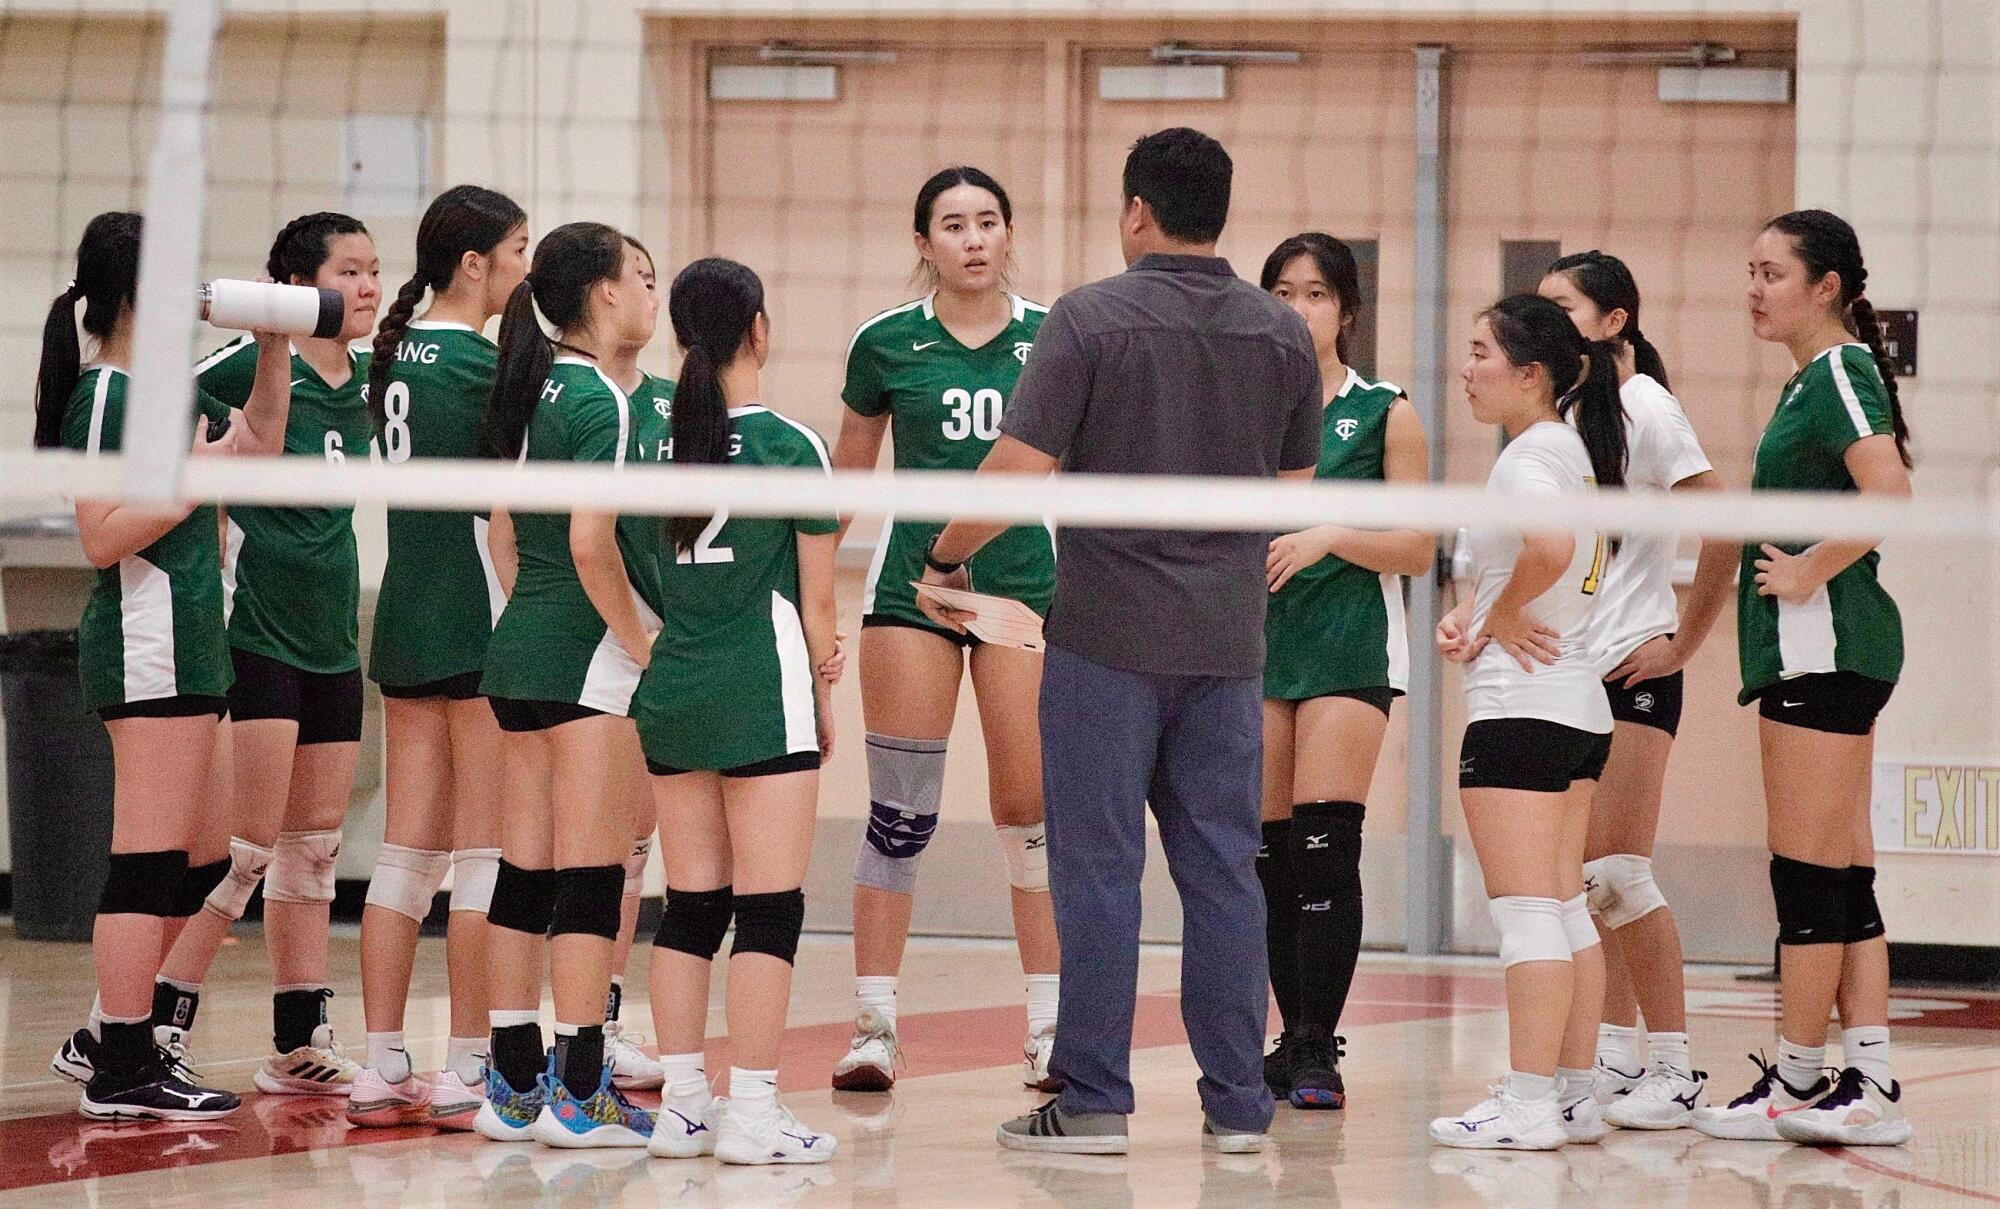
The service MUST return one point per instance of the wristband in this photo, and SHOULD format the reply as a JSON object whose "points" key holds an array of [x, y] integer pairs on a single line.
{"points": [[934, 563]]}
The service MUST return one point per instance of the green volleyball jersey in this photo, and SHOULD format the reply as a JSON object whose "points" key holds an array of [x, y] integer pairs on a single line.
{"points": [[1335, 626], [291, 577], [945, 402], [731, 682], [1850, 624], [440, 593], [550, 643], [152, 627]]}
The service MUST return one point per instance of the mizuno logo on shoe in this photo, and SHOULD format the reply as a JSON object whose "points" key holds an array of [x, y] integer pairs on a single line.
{"points": [[693, 1126], [1471, 1126], [1687, 1101], [193, 1100], [804, 1139]]}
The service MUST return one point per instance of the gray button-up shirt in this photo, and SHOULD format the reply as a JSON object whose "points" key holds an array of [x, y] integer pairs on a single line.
{"points": [[1175, 366]]}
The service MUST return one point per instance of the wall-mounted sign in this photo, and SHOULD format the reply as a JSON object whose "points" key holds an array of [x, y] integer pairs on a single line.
{"points": [[1899, 340], [1945, 808]]}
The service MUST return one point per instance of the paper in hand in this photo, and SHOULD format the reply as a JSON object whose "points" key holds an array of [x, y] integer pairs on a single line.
{"points": [[1000, 620]]}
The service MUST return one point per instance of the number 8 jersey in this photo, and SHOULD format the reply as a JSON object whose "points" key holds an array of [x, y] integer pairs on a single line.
{"points": [[945, 401], [1549, 456], [291, 577]]}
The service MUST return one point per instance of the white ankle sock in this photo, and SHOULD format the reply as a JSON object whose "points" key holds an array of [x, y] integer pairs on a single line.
{"points": [[466, 1058], [1043, 992], [754, 1092], [1618, 1047], [1668, 1051], [1800, 1065], [877, 991], [684, 1074], [1572, 1081], [1866, 1049], [96, 1021], [1529, 1088], [388, 1057]]}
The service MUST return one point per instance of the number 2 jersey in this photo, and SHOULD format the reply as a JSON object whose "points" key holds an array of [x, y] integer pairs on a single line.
{"points": [[440, 594], [945, 401], [291, 576], [1850, 623], [731, 681], [152, 627], [1549, 456]]}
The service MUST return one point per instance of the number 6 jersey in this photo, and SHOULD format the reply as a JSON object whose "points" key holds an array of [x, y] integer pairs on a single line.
{"points": [[945, 401], [291, 578]]}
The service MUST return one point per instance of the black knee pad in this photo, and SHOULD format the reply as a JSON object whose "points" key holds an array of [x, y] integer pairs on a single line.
{"points": [[770, 923], [1811, 900], [1864, 917], [524, 900], [143, 883], [693, 921], [1326, 850], [195, 886], [588, 899]]}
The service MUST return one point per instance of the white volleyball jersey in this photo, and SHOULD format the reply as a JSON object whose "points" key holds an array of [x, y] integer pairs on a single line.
{"points": [[1547, 457], [1637, 601]]}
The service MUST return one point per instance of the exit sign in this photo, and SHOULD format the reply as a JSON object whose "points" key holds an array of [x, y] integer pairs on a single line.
{"points": [[1899, 340]]}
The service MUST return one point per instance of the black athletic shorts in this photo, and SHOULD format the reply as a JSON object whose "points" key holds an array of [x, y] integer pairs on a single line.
{"points": [[1380, 696], [326, 705], [1529, 753], [178, 706], [1839, 703], [1655, 703], [798, 761], [462, 687], [871, 620], [525, 717]]}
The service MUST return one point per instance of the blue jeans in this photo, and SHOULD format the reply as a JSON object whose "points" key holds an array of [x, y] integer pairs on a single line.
{"points": [[1193, 746]]}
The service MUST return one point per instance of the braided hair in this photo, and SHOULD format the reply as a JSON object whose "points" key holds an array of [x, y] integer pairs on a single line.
{"points": [[107, 281], [1826, 243], [301, 248], [1604, 279], [464, 218]]}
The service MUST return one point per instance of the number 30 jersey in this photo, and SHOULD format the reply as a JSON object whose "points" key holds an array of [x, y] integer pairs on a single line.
{"points": [[945, 402], [291, 577], [440, 594]]}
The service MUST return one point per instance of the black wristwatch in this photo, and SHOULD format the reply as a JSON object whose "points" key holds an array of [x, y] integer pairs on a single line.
{"points": [[932, 561]]}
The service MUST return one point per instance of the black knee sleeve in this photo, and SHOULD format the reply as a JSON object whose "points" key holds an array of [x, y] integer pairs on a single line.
{"points": [[588, 898], [1864, 917], [693, 921], [524, 900], [143, 883], [1812, 902], [195, 886], [770, 923], [1326, 852]]}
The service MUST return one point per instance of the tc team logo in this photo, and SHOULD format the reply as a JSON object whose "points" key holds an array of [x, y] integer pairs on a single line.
{"points": [[1346, 429], [1021, 348]]}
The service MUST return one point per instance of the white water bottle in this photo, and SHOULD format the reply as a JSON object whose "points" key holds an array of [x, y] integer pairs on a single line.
{"points": [[296, 310]]}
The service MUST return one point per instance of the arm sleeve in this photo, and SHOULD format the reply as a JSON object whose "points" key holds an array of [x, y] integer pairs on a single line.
{"points": [[1053, 392], [864, 391], [229, 371], [1302, 430]]}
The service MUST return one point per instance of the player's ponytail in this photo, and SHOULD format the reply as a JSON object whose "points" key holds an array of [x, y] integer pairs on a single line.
{"points": [[568, 261], [464, 218], [1583, 375], [1826, 243], [713, 304], [1610, 286], [107, 281]]}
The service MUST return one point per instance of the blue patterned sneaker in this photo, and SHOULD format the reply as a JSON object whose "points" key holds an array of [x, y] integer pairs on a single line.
{"points": [[607, 1118], [508, 1115]]}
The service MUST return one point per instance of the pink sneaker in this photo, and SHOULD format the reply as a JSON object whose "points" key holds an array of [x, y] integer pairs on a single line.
{"points": [[376, 1103]]}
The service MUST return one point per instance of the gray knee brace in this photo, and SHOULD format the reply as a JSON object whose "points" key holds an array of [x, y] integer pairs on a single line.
{"points": [[905, 783]]}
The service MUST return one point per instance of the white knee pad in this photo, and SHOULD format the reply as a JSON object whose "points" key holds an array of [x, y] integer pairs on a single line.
{"points": [[247, 863], [905, 785], [1531, 929], [635, 866], [1027, 851], [406, 879], [473, 872], [1622, 889], [302, 867], [1577, 928]]}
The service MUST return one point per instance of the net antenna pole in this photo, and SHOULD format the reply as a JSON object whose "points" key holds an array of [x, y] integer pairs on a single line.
{"points": [[158, 428], [1426, 884]]}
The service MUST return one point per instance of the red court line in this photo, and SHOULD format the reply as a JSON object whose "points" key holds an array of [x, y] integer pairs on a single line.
{"points": [[1841, 1152], [62, 1147]]}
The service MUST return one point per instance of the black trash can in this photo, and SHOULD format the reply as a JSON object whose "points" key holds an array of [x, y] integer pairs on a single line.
{"points": [[58, 787]]}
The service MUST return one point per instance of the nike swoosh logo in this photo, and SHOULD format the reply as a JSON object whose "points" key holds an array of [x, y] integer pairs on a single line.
{"points": [[298, 381], [1791, 704], [918, 348], [1773, 1112], [1866, 1044]]}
